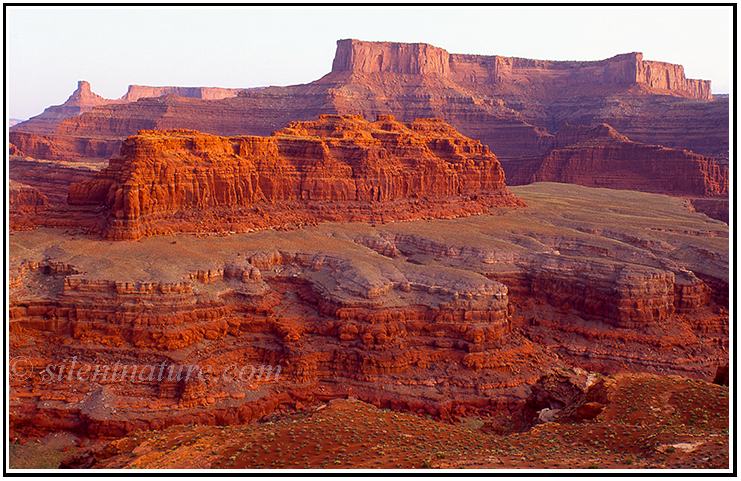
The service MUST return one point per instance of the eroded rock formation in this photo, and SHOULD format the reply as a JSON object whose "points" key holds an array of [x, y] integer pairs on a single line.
{"points": [[62, 147], [24, 202], [331, 169], [492, 71], [601, 157], [486, 97], [439, 317], [513, 105], [81, 100]]}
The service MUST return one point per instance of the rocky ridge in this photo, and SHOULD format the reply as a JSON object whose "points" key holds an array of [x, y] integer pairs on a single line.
{"points": [[83, 99]]}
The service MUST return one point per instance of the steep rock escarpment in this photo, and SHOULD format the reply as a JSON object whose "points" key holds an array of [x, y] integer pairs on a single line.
{"points": [[714, 208], [332, 169], [51, 178], [391, 57], [544, 76], [316, 320], [601, 157], [513, 105], [24, 198], [339, 93], [81, 100], [24, 202], [39, 189]]}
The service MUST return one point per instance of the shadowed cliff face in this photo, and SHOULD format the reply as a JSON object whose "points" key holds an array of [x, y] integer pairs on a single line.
{"points": [[601, 157]]}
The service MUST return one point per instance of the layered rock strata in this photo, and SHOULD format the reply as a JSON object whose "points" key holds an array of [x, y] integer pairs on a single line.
{"points": [[25, 199], [39, 190], [440, 317], [601, 157], [62, 147], [24, 203], [81, 100], [419, 58], [333, 168], [513, 105], [51, 179]]}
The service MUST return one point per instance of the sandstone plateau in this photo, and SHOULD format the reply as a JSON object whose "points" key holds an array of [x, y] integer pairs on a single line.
{"points": [[448, 318], [515, 106]]}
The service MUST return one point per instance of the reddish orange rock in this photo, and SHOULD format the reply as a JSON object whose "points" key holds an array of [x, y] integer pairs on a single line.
{"points": [[62, 147], [335, 168], [511, 104]]}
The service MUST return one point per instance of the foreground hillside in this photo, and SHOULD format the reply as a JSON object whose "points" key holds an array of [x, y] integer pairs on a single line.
{"points": [[642, 422]]}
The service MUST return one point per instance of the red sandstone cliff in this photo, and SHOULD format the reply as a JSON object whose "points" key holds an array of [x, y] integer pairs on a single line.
{"points": [[391, 57], [61, 147], [136, 92], [332, 168], [513, 105], [482, 71], [601, 157], [510, 104], [24, 199], [439, 317]]}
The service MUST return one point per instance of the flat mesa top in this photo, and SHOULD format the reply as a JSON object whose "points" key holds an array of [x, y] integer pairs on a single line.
{"points": [[601, 218]]}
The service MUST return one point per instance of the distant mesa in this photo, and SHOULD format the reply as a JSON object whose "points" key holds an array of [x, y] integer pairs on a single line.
{"points": [[515, 106], [83, 99], [390, 57], [423, 59]]}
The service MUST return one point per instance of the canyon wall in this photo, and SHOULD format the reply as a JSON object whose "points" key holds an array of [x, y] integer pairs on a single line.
{"points": [[24, 200], [443, 317], [544, 75], [390, 57], [423, 59], [667, 76], [136, 92], [601, 157], [62, 147], [81, 100]]}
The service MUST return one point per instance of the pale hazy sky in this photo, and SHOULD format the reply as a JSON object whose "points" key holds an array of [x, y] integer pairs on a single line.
{"points": [[48, 49]]}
